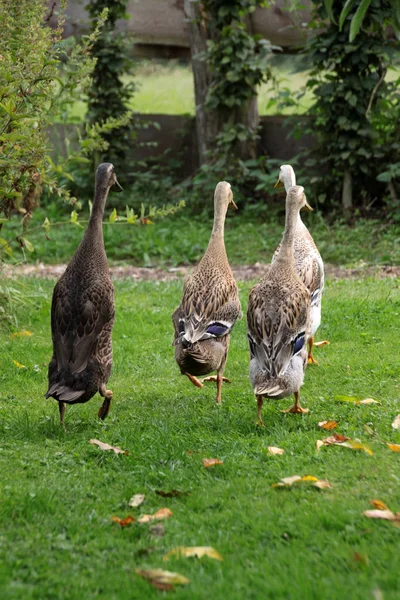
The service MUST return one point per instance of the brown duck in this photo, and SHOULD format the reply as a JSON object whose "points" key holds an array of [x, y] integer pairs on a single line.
{"points": [[278, 320], [209, 307], [82, 314]]}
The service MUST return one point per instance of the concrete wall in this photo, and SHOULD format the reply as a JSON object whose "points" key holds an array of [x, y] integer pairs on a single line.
{"points": [[176, 138]]}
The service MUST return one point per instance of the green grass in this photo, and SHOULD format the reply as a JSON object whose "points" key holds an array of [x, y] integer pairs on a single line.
{"points": [[59, 493], [167, 88], [249, 238]]}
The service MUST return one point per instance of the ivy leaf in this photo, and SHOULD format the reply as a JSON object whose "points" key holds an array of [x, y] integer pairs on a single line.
{"points": [[358, 18]]}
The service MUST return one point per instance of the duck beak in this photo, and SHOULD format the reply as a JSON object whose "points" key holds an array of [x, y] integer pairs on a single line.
{"points": [[308, 207], [117, 187], [279, 184]]}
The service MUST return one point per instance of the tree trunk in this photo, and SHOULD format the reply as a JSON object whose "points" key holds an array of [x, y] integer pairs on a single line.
{"points": [[347, 193], [210, 122]]}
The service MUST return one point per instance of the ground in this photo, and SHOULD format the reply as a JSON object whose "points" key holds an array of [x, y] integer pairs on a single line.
{"points": [[59, 493]]}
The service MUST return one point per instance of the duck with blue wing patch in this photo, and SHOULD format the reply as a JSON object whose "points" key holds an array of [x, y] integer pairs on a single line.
{"points": [[210, 306], [309, 264], [82, 314], [278, 320]]}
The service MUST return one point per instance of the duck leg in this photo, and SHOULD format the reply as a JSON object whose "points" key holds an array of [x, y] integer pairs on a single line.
{"points": [[105, 407], [61, 408], [311, 344], [296, 408], [260, 401], [194, 380]]}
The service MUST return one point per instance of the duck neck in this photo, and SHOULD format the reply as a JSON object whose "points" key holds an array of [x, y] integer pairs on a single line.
{"points": [[219, 220], [287, 247], [99, 202]]}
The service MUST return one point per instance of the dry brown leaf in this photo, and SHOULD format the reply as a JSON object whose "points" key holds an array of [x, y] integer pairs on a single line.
{"points": [[196, 551], [157, 530], [396, 422], [362, 558], [123, 522], [171, 493], [162, 513], [322, 484], [388, 515], [328, 425], [367, 401], [24, 333], [342, 440], [394, 447], [162, 580], [379, 505], [275, 450], [289, 481], [104, 446], [336, 438], [136, 500], [210, 462]]}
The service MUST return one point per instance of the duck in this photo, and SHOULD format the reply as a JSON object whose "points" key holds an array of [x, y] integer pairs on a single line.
{"points": [[310, 266], [82, 314], [209, 307], [278, 319]]}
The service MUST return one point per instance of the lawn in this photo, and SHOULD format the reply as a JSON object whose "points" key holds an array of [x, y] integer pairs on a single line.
{"points": [[181, 239], [59, 493]]}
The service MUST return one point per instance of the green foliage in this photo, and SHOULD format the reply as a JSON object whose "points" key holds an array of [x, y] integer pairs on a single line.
{"points": [[356, 109], [59, 492], [391, 16], [238, 63], [108, 95]]}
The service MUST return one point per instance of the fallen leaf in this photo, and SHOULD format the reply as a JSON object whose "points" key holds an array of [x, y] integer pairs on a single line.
{"points": [[342, 440], [210, 462], [123, 522], [322, 484], [275, 450], [24, 333], [394, 447], [289, 481], [162, 513], [396, 422], [104, 446], [379, 505], [157, 530], [171, 493], [336, 438], [356, 400], [162, 580], [323, 343], [387, 515], [196, 551], [319, 444], [361, 558], [346, 398], [17, 364], [367, 401], [136, 500], [328, 425]]}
